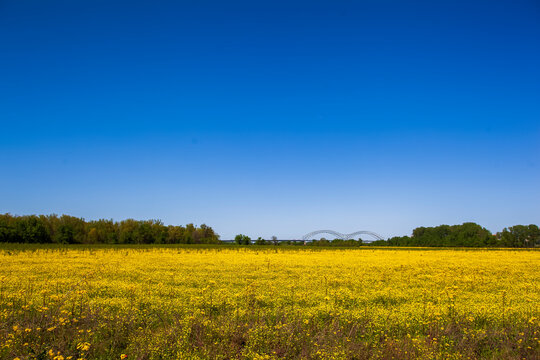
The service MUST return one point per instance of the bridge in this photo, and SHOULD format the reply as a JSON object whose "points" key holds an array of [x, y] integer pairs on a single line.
{"points": [[310, 236], [338, 235]]}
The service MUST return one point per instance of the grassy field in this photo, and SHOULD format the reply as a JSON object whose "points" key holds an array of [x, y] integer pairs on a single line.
{"points": [[268, 303]]}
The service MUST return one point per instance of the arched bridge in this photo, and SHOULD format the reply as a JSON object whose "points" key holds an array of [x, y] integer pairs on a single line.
{"points": [[338, 235]]}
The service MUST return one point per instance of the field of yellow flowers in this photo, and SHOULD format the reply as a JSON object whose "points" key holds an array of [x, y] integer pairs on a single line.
{"points": [[268, 303]]}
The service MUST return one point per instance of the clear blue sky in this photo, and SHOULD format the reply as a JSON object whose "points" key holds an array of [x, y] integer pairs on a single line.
{"points": [[272, 117]]}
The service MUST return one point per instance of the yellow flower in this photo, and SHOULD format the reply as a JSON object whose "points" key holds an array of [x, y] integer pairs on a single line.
{"points": [[83, 346]]}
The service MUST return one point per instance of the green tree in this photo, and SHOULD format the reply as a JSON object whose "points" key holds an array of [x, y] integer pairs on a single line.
{"points": [[70, 230], [128, 231], [241, 239], [31, 229], [519, 236], [7, 228], [175, 234]]}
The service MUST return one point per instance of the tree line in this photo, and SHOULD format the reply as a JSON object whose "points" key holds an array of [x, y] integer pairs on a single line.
{"points": [[469, 235], [67, 229], [465, 235]]}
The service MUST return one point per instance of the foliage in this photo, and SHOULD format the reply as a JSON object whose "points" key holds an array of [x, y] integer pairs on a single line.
{"points": [[241, 239], [261, 241], [464, 235], [336, 242], [72, 230], [519, 236]]}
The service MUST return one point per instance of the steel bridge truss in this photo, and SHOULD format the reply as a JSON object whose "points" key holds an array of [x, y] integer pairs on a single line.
{"points": [[338, 235]]}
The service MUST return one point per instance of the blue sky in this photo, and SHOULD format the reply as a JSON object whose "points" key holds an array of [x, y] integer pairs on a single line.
{"points": [[272, 118]]}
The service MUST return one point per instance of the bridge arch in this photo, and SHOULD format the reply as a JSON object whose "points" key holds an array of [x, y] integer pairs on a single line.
{"points": [[317, 232], [338, 235], [371, 233]]}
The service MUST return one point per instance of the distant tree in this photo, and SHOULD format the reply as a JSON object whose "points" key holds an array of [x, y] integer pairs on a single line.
{"points": [[175, 234], [241, 239], [519, 236], [238, 239], [322, 242], [31, 229], [72, 230], [534, 235], [472, 235], [7, 228], [337, 242], [398, 241], [206, 235], [93, 236], [102, 232], [189, 237], [159, 232], [128, 232]]}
